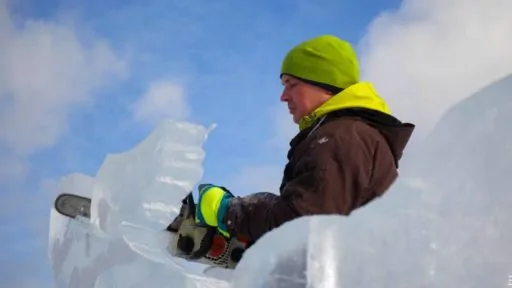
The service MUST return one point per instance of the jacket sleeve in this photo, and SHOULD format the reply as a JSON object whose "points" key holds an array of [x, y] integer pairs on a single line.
{"points": [[332, 180]]}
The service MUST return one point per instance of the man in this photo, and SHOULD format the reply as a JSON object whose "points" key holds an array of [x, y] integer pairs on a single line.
{"points": [[345, 155]]}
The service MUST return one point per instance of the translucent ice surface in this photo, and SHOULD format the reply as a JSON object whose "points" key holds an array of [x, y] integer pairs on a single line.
{"points": [[145, 185], [134, 195], [138, 193]]}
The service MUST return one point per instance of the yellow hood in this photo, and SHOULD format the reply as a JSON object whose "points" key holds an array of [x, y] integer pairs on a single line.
{"points": [[360, 95]]}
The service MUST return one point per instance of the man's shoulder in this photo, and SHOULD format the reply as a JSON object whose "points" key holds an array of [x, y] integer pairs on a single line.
{"points": [[341, 136], [349, 129]]}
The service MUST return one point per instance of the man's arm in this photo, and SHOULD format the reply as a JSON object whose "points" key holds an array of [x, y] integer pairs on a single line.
{"points": [[336, 177]]}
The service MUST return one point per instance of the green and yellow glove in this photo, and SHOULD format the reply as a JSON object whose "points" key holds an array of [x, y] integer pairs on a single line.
{"points": [[212, 205]]}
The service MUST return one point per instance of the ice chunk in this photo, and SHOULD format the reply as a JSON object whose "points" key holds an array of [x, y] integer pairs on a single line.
{"points": [[143, 273], [331, 251], [383, 245], [135, 195], [307, 252], [77, 254], [145, 185], [138, 193], [81, 185]]}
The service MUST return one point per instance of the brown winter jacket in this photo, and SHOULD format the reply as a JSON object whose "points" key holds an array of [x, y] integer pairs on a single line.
{"points": [[345, 155]]}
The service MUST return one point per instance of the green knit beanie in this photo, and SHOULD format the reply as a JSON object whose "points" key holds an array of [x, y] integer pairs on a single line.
{"points": [[324, 59]]}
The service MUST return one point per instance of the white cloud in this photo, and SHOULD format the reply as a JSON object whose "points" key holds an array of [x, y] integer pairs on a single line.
{"points": [[45, 72], [430, 54], [164, 99]]}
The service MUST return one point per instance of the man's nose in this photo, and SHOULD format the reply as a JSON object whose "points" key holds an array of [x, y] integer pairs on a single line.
{"points": [[284, 96]]}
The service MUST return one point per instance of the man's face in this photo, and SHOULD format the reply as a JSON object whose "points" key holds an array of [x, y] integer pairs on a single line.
{"points": [[302, 98]]}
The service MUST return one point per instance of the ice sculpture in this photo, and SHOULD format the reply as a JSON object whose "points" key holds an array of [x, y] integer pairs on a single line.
{"points": [[137, 193], [307, 252], [134, 196]]}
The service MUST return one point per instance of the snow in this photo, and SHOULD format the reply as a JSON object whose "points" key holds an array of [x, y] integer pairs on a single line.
{"points": [[445, 223]]}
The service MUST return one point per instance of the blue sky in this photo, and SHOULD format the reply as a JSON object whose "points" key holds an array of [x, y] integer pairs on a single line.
{"points": [[76, 99]]}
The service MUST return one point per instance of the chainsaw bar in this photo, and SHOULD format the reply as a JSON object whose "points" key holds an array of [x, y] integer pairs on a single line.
{"points": [[72, 205]]}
